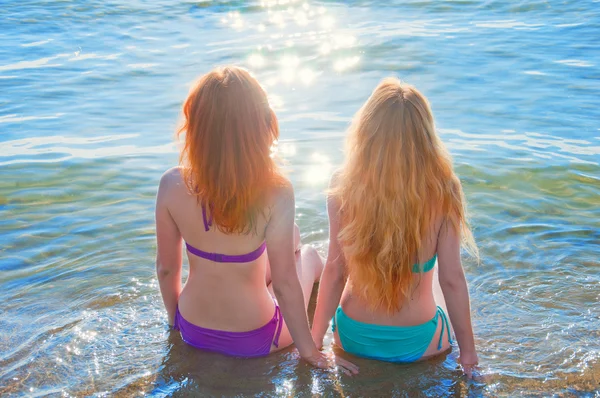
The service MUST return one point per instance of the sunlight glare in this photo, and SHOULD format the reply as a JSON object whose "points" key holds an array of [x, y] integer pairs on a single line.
{"points": [[344, 40], [238, 23], [345, 63], [325, 48], [307, 76], [301, 18], [256, 61], [327, 22], [287, 149], [289, 61], [318, 172], [275, 101]]}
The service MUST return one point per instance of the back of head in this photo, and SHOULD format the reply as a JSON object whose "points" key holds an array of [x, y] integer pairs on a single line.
{"points": [[398, 176], [229, 131]]}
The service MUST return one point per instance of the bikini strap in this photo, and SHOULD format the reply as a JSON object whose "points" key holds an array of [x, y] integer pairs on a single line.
{"points": [[279, 319], [207, 221], [446, 325]]}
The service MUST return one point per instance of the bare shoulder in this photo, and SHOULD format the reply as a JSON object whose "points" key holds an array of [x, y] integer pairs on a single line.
{"points": [[336, 178], [171, 181], [172, 175], [332, 197], [282, 195]]}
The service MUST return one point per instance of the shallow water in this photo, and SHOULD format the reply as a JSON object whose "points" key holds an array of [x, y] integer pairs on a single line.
{"points": [[90, 95]]}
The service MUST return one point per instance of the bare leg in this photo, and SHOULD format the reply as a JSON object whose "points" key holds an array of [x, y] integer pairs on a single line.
{"points": [[297, 246], [309, 266]]}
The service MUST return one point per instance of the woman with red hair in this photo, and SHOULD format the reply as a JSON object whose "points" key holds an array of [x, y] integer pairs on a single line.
{"points": [[230, 204]]}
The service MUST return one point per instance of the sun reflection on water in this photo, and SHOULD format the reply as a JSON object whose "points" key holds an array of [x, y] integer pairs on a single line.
{"points": [[319, 170], [298, 43]]}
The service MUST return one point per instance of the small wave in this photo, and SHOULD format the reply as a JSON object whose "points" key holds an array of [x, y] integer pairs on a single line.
{"points": [[535, 73], [575, 62], [83, 57], [38, 63], [510, 23], [141, 66], [13, 118], [59, 139], [36, 43], [58, 149]]}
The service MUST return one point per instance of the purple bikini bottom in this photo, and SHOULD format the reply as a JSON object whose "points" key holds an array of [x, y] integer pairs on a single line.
{"points": [[254, 343]]}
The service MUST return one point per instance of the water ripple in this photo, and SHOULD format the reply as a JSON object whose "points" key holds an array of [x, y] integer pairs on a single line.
{"points": [[91, 93]]}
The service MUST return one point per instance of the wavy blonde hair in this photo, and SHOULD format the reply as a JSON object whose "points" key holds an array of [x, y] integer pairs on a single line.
{"points": [[397, 177]]}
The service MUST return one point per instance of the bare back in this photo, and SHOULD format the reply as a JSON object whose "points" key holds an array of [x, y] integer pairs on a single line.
{"points": [[216, 295], [419, 307]]}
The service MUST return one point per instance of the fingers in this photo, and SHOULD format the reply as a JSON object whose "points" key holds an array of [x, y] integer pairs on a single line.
{"points": [[347, 366], [332, 363], [346, 372], [468, 370]]}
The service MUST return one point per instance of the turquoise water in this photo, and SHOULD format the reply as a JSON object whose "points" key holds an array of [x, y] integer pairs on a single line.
{"points": [[90, 95]]}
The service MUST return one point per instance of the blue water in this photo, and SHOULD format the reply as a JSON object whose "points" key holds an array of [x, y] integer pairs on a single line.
{"points": [[90, 97]]}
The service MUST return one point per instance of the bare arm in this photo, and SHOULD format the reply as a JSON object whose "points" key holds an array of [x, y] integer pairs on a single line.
{"points": [[286, 285], [456, 293], [333, 278], [168, 252]]}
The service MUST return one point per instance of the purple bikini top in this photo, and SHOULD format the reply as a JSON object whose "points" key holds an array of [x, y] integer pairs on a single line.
{"points": [[224, 258]]}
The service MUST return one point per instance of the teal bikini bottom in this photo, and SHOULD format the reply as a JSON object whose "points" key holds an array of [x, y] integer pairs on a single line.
{"points": [[388, 343]]}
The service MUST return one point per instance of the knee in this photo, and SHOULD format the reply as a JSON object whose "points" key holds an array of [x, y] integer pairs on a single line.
{"points": [[309, 252], [312, 259]]}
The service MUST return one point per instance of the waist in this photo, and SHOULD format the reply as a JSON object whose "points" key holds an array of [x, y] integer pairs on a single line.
{"points": [[413, 311], [233, 308]]}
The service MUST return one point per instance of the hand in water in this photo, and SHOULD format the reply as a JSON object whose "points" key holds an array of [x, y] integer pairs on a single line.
{"points": [[328, 361], [469, 362]]}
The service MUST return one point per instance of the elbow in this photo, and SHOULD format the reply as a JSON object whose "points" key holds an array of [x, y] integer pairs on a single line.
{"points": [[453, 284], [447, 285], [162, 272], [334, 273], [282, 290]]}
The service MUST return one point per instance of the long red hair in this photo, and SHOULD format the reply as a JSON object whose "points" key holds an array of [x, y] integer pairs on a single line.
{"points": [[226, 159]]}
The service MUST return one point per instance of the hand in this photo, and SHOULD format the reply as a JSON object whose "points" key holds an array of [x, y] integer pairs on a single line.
{"points": [[328, 361], [469, 362]]}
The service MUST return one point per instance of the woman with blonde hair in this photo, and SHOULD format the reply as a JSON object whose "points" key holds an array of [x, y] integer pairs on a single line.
{"points": [[396, 208], [234, 210]]}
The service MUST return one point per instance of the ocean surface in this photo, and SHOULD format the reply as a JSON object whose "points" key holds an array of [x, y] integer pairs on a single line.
{"points": [[90, 97]]}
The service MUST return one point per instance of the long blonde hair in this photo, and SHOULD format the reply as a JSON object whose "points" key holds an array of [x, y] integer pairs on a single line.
{"points": [[397, 177]]}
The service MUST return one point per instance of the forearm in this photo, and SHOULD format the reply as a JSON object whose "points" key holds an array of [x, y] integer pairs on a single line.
{"points": [[169, 282], [291, 301], [331, 288], [456, 294]]}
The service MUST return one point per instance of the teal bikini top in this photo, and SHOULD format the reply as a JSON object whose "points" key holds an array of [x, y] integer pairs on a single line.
{"points": [[425, 267]]}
